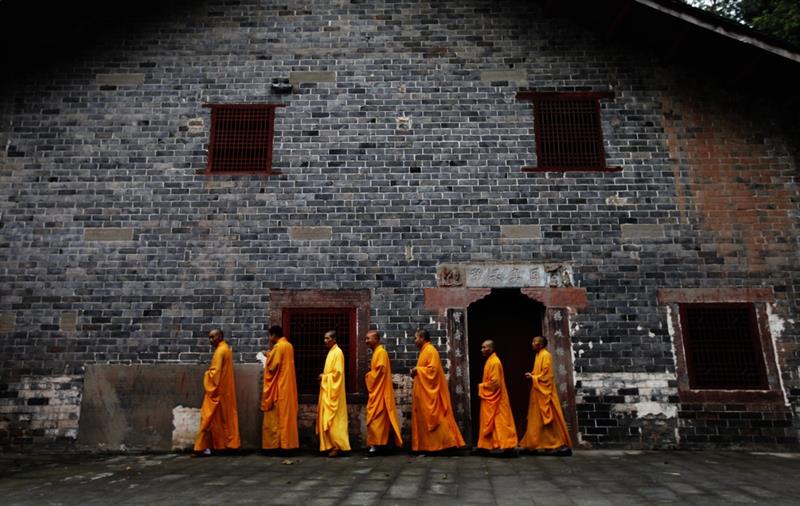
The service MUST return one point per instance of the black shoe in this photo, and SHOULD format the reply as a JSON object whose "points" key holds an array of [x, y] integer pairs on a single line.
{"points": [[560, 452]]}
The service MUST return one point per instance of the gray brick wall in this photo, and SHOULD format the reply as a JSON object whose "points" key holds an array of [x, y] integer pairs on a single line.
{"points": [[404, 142]]}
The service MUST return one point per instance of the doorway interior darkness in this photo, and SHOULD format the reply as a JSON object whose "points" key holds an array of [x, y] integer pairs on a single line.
{"points": [[511, 320]]}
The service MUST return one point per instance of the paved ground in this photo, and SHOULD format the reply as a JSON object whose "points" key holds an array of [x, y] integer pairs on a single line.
{"points": [[587, 478]]}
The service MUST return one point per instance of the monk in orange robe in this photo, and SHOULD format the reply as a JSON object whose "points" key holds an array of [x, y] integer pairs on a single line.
{"points": [[381, 410], [433, 426], [279, 395], [219, 421], [497, 430], [547, 429], [332, 406]]}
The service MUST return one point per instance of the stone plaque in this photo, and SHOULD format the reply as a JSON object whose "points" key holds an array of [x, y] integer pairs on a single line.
{"points": [[505, 276], [450, 275]]}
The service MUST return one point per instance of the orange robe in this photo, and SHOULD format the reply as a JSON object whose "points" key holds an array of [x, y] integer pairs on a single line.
{"points": [[219, 421], [279, 398], [432, 424], [547, 428], [497, 428], [332, 406], [381, 410]]}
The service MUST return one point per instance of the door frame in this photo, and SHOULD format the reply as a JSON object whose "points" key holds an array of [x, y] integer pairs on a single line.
{"points": [[452, 302]]}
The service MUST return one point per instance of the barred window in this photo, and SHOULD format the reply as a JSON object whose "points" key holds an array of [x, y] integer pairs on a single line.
{"points": [[722, 346], [241, 139], [568, 131], [305, 328]]}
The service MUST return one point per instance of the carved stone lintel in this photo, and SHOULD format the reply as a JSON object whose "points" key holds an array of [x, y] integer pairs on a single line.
{"points": [[501, 275]]}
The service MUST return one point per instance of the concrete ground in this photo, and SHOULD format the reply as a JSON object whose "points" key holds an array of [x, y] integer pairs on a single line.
{"points": [[587, 478]]}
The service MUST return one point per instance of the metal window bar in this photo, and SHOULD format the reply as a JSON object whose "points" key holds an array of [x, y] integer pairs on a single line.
{"points": [[568, 132], [723, 348], [305, 328], [241, 138]]}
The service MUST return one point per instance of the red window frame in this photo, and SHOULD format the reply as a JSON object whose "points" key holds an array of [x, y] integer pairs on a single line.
{"points": [[568, 131], [241, 139], [310, 351]]}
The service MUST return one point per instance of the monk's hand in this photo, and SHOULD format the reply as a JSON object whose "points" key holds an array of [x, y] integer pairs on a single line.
{"points": [[413, 372], [320, 378], [528, 375]]}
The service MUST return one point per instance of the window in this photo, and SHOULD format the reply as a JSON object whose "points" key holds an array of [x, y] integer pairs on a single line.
{"points": [[722, 347], [568, 131], [241, 139], [305, 328]]}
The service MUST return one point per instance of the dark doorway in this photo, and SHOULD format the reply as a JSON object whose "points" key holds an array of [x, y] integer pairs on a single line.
{"points": [[511, 320]]}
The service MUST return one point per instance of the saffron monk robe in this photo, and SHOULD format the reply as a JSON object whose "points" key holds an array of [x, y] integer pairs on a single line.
{"points": [[219, 421], [279, 395], [547, 430], [332, 406], [497, 430], [381, 409], [433, 427]]}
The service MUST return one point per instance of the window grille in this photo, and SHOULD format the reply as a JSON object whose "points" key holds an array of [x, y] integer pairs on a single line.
{"points": [[568, 131], [305, 328], [723, 350], [241, 138]]}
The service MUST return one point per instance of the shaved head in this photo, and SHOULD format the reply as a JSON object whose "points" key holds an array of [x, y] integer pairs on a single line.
{"points": [[487, 347], [373, 339]]}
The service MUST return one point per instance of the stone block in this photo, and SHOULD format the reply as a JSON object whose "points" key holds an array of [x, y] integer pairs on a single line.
{"points": [[310, 233], [8, 322], [530, 232], [296, 78], [108, 234], [504, 75], [642, 232], [67, 322], [119, 79]]}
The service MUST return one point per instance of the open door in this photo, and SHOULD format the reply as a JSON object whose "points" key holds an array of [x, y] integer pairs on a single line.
{"points": [[511, 320]]}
